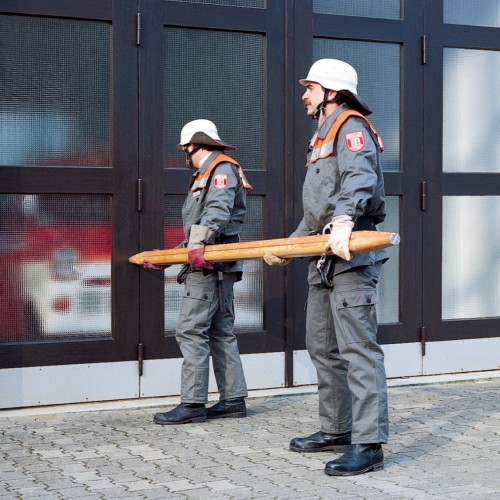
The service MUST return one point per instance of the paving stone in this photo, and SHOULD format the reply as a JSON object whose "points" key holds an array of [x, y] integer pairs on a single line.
{"points": [[444, 444]]}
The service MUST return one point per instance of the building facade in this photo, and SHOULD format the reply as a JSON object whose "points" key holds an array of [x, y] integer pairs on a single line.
{"points": [[93, 96]]}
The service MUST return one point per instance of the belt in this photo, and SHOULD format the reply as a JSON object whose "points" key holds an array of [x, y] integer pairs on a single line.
{"points": [[365, 223], [223, 238]]}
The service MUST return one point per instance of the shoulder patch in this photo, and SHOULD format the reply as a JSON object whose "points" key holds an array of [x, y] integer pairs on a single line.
{"points": [[355, 141], [220, 181]]}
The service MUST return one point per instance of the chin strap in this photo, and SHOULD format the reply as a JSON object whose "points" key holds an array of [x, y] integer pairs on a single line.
{"points": [[322, 105]]}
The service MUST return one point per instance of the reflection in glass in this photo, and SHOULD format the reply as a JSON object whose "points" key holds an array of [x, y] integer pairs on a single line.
{"points": [[248, 293], [471, 111], [384, 9], [55, 267], [471, 260], [173, 235], [55, 90], [381, 89], [476, 13], [388, 304], [216, 75]]}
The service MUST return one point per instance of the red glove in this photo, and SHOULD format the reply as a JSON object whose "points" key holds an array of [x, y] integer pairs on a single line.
{"points": [[196, 259], [148, 265]]}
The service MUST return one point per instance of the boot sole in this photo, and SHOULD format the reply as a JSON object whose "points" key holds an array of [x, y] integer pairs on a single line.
{"points": [[240, 414], [374, 468], [336, 448], [194, 420]]}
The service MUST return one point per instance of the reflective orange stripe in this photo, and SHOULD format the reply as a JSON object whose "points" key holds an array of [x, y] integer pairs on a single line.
{"points": [[324, 147], [201, 179]]}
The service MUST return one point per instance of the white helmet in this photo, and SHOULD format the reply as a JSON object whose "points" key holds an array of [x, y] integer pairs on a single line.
{"points": [[201, 132], [333, 74]]}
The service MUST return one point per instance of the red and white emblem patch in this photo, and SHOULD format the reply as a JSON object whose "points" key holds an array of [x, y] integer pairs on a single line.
{"points": [[220, 181], [355, 141]]}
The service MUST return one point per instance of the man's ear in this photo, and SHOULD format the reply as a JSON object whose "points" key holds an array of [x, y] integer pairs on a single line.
{"points": [[331, 94]]}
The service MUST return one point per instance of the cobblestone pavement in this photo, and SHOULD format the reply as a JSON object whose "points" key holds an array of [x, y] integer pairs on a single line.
{"points": [[444, 445]]}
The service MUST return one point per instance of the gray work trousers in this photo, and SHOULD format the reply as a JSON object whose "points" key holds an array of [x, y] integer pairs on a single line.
{"points": [[204, 331], [341, 338]]}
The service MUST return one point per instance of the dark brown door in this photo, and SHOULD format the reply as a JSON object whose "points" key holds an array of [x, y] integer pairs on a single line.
{"points": [[383, 44], [200, 60], [461, 170], [68, 177]]}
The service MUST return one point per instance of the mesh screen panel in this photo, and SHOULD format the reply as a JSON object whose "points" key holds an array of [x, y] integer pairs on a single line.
{"points": [[54, 92], [380, 88], [55, 267], [218, 76], [384, 9], [248, 293]]}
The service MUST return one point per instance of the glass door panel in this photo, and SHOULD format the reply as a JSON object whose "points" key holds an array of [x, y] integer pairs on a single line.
{"points": [[56, 267], [477, 13], [380, 89], [54, 112], [218, 75], [471, 263], [388, 304], [471, 137], [386, 9]]}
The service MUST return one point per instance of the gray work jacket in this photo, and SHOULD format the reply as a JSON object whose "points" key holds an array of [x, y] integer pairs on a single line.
{"points": [[348, 181], [220, 206]]}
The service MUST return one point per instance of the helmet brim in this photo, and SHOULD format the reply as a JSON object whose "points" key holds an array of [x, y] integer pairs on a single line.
{"points": [[204, 139]]}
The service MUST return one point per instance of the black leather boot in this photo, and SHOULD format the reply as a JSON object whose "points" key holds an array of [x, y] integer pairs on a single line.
{"points": [[183, 414], [358, 459], [230, 408], [321, 441]]}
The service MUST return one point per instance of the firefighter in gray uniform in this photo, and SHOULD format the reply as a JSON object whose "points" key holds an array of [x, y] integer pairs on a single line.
{"points": [[343, 191], [213, 212]]}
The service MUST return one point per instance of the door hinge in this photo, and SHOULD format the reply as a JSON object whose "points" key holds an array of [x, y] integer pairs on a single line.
{"points": [[139, 195], [138, 29], [423, 47], [422, 339], [140, 358], [423, 196]]}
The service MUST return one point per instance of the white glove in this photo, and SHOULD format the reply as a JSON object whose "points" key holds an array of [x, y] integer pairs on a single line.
{"points": [[340, 232], [273, 260]]}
